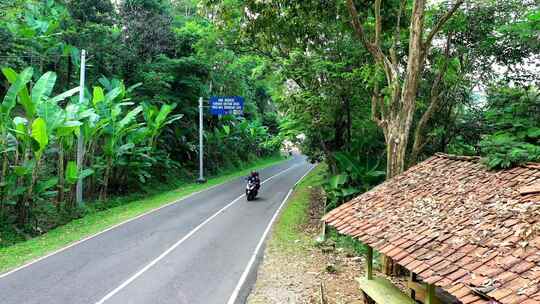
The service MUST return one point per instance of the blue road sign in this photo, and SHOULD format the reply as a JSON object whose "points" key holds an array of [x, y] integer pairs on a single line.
{"points": [[223, 105]]}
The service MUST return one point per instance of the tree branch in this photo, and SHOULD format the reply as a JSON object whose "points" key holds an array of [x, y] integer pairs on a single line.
{"points": [[359, 28], [378, 23], [435, 97], [397, 32], [373, 48], [441, 23]]}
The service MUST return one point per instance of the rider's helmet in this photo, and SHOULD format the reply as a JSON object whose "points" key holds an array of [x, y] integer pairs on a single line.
{"points": [[254, 174]]}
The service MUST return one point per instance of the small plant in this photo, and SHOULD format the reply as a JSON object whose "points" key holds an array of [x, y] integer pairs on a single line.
{"points": [[346, 242], [353, 178]]}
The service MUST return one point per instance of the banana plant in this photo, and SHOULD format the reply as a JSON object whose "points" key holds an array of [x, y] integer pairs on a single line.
{"points": [[73, 174], [35, 130], [353, 177], [113, 126], [60, 124], [116, 131], [18, 87], [156, 119], [66, 133], [42, 126]]}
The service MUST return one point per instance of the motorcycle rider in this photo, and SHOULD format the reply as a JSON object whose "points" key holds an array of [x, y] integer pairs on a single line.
{"points": [[254, 178]]}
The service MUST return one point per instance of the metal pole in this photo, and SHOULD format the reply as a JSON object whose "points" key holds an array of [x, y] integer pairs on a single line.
{"points": [[80, 139], [201, 142]]}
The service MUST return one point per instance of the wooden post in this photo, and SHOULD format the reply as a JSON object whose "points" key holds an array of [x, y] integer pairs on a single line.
{"points": [[369, 263], [412, 279], [430, 294]]}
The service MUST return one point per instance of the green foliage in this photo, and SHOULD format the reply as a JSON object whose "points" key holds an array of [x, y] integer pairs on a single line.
{"points": [[39, 135], [148, 63], [346, 242], [72, 175], [354, 177], [19, 83], [504, 150], [513, 116], [298, 64], [325, 85]]}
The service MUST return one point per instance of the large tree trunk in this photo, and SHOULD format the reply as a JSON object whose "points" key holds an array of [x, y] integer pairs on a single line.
{"points": [[402, 123], [396, 148], [395, 117], [399, 124]]}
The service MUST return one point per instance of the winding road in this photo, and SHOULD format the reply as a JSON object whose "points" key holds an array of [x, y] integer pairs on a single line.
{"points": [[202, 249]]}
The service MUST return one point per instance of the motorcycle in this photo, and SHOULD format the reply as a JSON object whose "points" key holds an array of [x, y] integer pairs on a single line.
{"points": [[251, 190]]}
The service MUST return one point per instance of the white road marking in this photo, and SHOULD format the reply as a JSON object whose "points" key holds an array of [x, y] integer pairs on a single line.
{"points": [[304, 176], [108, 229], [185, 238], [241, 282]]}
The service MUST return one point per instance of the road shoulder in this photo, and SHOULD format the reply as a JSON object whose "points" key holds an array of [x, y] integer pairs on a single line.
{"points": [[294, 267]]}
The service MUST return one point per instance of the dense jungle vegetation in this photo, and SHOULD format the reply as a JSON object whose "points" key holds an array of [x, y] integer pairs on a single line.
{"points": [[148, 62], [370, 87], [377, 86]]}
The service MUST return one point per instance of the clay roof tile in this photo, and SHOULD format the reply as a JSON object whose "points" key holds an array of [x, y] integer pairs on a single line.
{"points": [[452, 221]]}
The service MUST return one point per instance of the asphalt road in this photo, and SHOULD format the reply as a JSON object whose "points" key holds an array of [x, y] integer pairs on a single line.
{"points": [[194, 251]]}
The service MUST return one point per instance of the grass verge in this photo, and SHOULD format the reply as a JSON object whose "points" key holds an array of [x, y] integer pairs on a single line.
{"points": [[346, 242], [287, 232], [95, 222]]}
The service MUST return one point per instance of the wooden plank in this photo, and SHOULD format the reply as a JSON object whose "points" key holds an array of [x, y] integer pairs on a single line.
{"points": [[383, 291], [369, 263]]}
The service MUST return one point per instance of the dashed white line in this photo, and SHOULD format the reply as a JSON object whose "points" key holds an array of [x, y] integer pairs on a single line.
{"points": [[175, 245]]}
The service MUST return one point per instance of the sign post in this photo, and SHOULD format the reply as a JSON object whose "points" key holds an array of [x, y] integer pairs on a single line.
{"points": [[219, 106], [201, 142]]}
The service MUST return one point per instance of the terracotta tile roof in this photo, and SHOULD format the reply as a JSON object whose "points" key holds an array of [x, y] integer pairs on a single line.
{"points": [[465, 229]]}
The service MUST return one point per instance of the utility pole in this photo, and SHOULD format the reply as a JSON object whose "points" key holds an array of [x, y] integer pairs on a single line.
{"points": [[80, 139], [201, 137], [201, 142]]}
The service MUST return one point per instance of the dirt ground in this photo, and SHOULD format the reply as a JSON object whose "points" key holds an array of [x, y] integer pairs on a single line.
{"points": [[297, 276]]}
